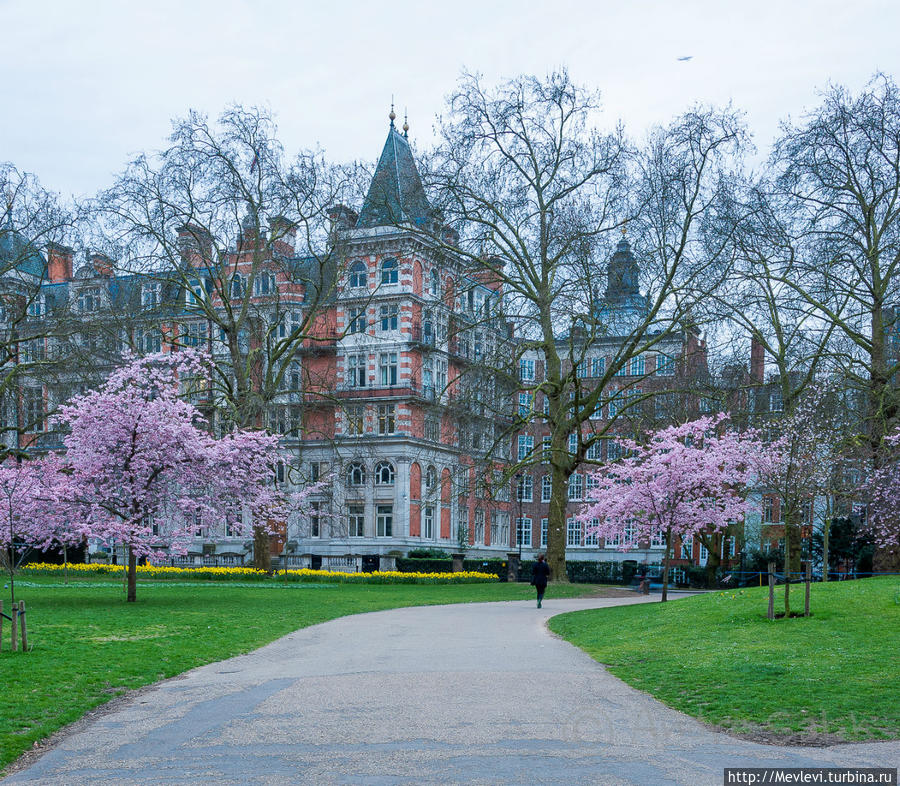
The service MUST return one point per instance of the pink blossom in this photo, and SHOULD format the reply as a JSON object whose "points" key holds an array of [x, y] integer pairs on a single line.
{"points": [[140, 468], [683, 481]]}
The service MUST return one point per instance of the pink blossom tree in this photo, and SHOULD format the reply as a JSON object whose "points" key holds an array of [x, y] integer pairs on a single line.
{"points": [[27, 510], [801, 461], [141, 469], [683, 481], [883, 489]]}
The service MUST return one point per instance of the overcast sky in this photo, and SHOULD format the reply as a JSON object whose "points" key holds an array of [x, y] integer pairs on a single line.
{"points": [[86, 84]]}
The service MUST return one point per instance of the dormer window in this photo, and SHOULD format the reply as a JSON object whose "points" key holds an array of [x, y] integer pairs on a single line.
{"points": [[89, 300], [151, 294], [389, 271], [36, 308], [359, 276], [264, 284]]}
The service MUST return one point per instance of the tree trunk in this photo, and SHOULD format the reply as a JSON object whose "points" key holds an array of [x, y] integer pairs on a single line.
{"points": [[262, 559], [826, 533], [12, 573], [132, 576], [713, 543], [882, 417], [556, 525], [667, 558], [792, 540]]}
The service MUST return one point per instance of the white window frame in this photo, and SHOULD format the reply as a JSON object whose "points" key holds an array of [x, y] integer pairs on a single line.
{"points": [[523, 532], [546, 487], [384, 521]]}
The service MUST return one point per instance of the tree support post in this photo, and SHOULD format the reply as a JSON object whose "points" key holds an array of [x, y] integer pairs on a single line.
{"points": [[808, 582], [23, 630], [14, 618], [771, 612]]}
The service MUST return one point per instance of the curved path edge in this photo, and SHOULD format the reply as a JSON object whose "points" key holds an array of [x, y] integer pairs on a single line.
{"points": [[464, 693]]}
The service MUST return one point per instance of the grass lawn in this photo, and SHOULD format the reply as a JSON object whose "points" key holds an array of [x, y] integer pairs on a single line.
{"points": [[832, 676], [88, 645]]}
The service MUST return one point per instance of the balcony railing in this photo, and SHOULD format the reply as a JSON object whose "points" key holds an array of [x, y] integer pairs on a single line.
{"points": [[407, 389], [319, 345], [423, 334]]}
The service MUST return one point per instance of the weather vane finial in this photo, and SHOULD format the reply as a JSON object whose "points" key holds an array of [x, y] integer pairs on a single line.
{"points": [[392, 115], [625, 227], [405, 123]]}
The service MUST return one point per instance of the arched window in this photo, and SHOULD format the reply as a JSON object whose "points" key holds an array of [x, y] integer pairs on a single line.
{"points": [[435, 284], [356, 474], [264, 284], [384, 474], [389, 273], [237, 286], [359, 276], [430, 478]]}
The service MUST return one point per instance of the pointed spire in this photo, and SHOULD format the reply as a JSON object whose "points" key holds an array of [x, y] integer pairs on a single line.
{"points": [[405, 125], [392, 115], [395, 194]]}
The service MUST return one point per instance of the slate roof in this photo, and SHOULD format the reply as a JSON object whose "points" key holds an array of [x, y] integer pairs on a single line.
{"points": [[17, 252], [396, 194]]}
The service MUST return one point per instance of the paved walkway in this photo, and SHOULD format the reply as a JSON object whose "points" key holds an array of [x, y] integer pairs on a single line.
{"points": [[475, 693]]}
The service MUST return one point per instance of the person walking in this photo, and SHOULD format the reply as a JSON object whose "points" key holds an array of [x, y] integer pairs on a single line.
{"points": [[539, 576]]}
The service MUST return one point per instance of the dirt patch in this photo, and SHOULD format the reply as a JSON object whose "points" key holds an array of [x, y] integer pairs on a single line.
{"points": [[794, 739]]}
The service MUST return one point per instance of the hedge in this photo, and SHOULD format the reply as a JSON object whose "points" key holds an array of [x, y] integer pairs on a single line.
{"points": [[495, 567]]}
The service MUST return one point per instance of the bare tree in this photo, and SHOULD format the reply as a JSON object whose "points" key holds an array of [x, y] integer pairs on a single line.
{"points": [[838, 174], [536, 189], [34, 223], [235, 246], [787, 334]]}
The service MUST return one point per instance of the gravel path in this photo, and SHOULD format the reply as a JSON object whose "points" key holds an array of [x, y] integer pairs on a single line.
{"points": [[473, 693]]}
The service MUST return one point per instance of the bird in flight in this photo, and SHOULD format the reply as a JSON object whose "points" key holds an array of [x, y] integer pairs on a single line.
{"points": [[685, 59]]}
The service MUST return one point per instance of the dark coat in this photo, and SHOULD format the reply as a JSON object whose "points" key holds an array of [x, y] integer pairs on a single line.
{"points": [[540, 574]]}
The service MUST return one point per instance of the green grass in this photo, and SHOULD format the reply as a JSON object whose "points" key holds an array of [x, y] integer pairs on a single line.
{"points": [[88, 645], [718, 658]]}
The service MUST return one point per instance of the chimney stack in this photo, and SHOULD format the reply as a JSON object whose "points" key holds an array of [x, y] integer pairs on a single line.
{"points": [[194, 244], [757, 361], [342, 217], [284, 234], [102, 264], [59, 263]]}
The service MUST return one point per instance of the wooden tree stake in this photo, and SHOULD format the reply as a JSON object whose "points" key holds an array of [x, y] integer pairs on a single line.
{"points": [[771, 614], [808, 582], [14, 614], [22, 626]]}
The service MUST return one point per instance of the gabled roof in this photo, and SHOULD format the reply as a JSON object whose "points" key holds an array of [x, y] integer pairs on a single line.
{"points": [[396, 194]]}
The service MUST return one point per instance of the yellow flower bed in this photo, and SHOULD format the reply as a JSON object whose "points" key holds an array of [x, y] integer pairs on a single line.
{"points": [[252, 574]]}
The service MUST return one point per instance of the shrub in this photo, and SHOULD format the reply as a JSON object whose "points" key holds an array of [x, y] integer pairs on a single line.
{"points": [[431, 553], [424, 565]]}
